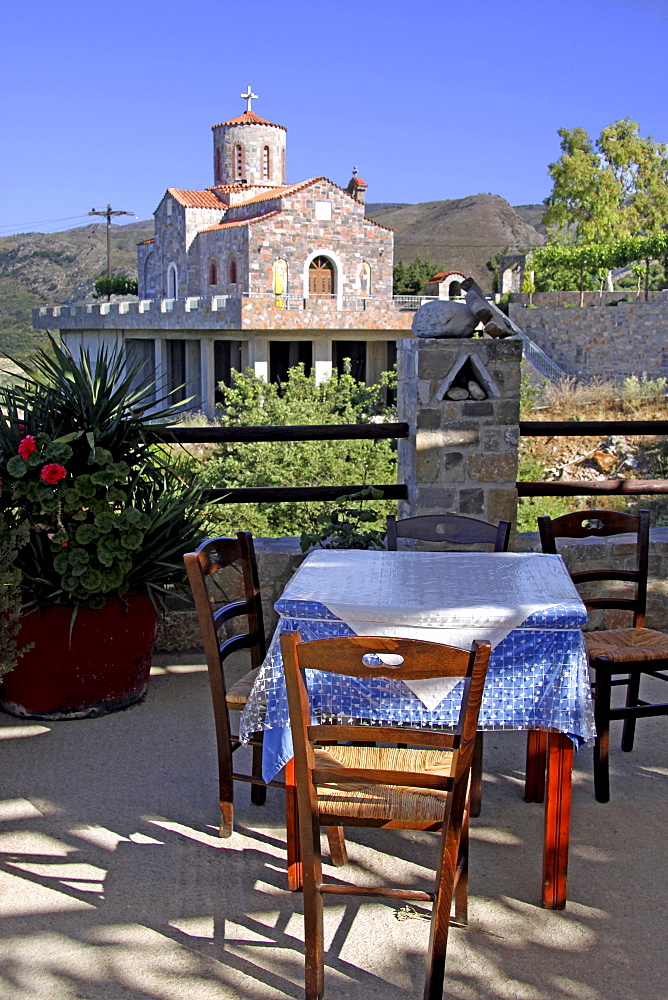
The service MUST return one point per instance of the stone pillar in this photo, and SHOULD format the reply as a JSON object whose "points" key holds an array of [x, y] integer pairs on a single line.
{"points": [[461, 455], [376, 360], [208, 379], [258, 357], [322, 358]]}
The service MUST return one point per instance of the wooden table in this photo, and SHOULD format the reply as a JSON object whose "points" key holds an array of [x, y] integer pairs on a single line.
{"points": [[521, 600]]}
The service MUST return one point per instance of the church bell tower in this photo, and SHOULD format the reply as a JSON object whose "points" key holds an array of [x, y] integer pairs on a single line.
{"points": [[249, 150]]}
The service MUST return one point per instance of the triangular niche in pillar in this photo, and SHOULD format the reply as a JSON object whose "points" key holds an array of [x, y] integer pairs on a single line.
{"points": [[468, 379]]}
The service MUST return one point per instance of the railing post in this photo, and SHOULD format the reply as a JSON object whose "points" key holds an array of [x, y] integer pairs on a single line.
{"points": [[461, 453]]}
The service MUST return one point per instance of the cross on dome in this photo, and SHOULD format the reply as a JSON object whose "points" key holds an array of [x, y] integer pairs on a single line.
{"points": [[249, 97]]}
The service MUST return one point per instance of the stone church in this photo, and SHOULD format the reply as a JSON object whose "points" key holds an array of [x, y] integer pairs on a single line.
{"points": [[252, 272]]}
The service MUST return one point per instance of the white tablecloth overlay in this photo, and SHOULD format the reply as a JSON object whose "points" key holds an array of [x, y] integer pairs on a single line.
{"points": [[407, 594]]}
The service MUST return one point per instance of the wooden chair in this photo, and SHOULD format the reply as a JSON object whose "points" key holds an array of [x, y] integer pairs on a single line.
{"points": [[635, 651], [211, 556], [422, 786], [454, 528]]}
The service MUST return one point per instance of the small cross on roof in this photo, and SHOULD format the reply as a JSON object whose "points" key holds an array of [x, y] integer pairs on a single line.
{"points": [[249, 97]]}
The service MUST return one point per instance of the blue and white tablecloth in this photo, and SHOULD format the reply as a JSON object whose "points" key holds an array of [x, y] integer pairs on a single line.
{"points": [[525, 604]]}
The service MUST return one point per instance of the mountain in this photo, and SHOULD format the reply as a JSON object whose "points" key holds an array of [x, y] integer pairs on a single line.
{"points": [[43, 268], [461, 234], [533, 214]]}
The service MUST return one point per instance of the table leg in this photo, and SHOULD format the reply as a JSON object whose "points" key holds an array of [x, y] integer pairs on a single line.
{"points": [[292, 828], [534, 783], [557, 820]]}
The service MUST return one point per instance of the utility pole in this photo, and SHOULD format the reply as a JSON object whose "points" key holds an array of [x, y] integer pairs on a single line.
{"points": [[107, 213]]}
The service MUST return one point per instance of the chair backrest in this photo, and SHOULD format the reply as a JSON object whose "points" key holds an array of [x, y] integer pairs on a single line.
{"points": [[600, 524], [453, 528], [369, 657], [211, 556]]}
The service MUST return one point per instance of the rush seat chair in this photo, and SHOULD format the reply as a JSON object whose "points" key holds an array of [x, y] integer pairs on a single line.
{"points": [[635, 652], [454, 528], [422, 785], [211, 556]]}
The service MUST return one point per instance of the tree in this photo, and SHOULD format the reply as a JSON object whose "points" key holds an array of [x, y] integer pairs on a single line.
{"points": [[588, 259], [615, 187], [410, 279], [115, 285], [585, 195]]}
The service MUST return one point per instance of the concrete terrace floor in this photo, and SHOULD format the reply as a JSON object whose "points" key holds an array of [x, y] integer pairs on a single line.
{"points": [[114, 885]]}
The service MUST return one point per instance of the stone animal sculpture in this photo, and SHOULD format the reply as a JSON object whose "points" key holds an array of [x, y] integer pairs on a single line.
{"points": [[443, 318]]}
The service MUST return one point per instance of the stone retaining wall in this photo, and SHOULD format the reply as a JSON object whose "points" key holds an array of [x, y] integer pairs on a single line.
{"points": [[279, 558], [609, 342]]}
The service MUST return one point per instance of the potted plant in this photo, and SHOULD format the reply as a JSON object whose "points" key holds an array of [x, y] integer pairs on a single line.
{"points": [[108, 519]]}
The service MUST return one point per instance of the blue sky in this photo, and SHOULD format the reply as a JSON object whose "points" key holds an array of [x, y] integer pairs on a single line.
{"points": [[114, 103]]}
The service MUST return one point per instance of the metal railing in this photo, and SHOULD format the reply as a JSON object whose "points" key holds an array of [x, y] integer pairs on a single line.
{"points": [[540, 360]]}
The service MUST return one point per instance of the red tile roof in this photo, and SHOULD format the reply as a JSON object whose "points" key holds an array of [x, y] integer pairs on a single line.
{"points": [[279, 192], [240, 222], [249, 118], [225, 188], [196, 199], [442, 275], [144, 242]]}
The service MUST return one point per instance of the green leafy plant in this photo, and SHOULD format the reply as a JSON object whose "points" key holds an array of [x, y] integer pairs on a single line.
{"points": [[410, 279], [348, 527], [529, 393], [339, 399], [115, 285], [107, 511], [13, 537]]}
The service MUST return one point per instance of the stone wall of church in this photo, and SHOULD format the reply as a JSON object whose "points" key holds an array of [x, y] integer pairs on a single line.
{"points": [[347, 238], [211, 248], [170, 244], [253, 139]]}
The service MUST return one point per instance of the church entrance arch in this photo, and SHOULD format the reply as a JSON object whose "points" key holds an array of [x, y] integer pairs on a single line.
{"points": [[321, 277]]}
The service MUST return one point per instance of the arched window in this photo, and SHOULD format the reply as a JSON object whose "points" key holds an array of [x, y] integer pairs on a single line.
{"points": [[219, 167], [213, 273], [239, 161], [321, 277], [266, 163], [172, 282], [148, 290], [233, 272]]}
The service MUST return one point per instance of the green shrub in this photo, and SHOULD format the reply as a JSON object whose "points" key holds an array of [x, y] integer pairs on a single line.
{"points": [[635, 390], [115, 285], [337, 400]]}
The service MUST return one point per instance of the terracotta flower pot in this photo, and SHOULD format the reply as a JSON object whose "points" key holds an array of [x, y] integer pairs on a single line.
{"points": [[99, 664]]}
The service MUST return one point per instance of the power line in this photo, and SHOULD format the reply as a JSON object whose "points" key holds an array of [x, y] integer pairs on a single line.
{"points": [[42, 222]]}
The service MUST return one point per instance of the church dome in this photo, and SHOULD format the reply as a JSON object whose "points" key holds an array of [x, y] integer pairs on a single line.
{"points": [[248, 118], [249, 149]]}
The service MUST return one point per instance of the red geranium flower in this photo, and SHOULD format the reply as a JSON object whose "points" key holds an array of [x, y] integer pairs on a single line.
{"points": [[27, 446], [51, 474]]}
